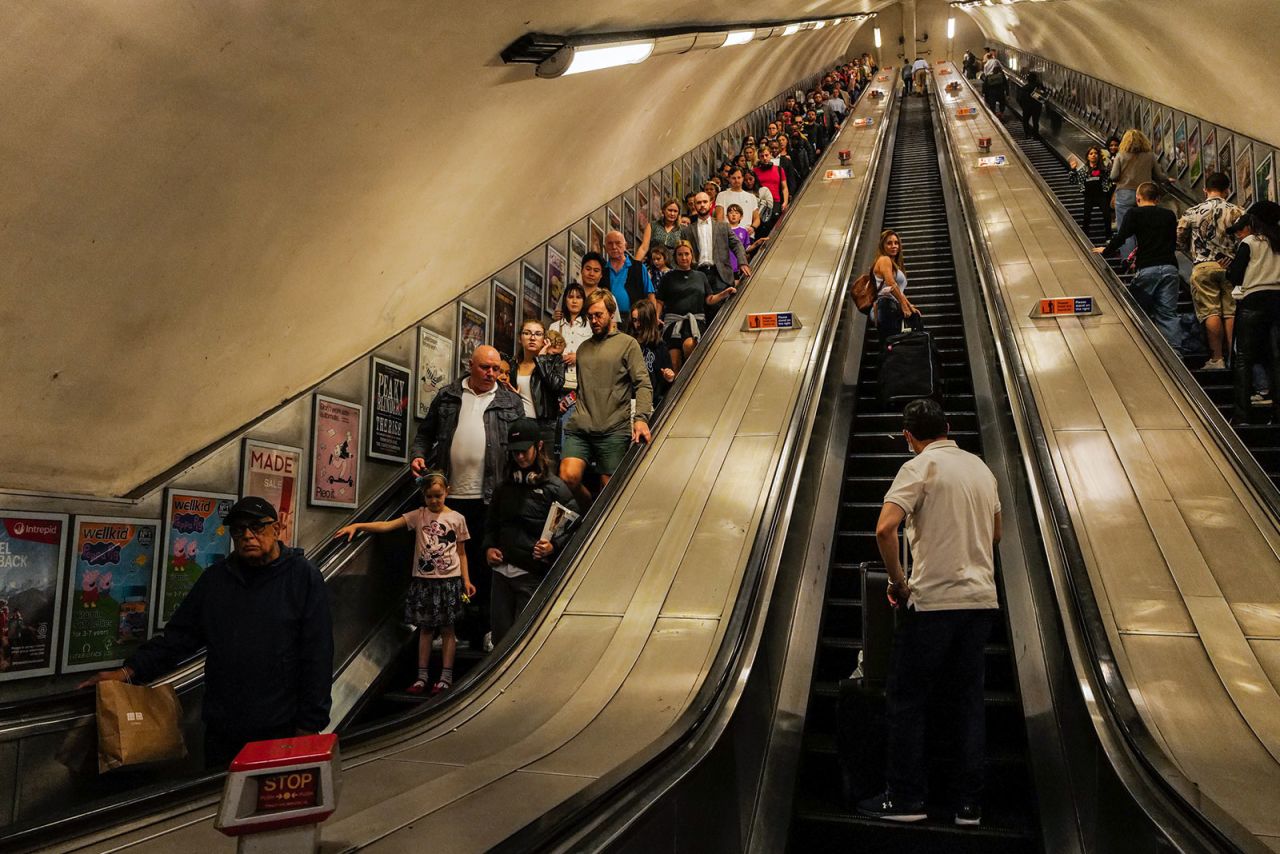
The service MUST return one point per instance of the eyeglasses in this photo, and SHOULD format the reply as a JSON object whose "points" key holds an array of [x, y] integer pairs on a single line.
{"points": [[239, 529], [532, 333]]}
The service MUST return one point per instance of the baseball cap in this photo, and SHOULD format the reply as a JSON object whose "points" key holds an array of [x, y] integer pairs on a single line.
{"points": [[1263, 211], [251, 507], [522, 434]]}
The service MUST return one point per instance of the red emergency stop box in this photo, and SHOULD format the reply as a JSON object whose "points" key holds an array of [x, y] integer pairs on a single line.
{"points": [[282, 783]]}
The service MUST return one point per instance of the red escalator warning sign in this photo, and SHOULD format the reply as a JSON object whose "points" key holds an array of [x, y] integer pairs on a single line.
{"points": [[289, 790]]}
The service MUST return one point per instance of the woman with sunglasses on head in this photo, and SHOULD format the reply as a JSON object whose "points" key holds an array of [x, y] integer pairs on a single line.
{"points": [[539, 375], [892, 310]]}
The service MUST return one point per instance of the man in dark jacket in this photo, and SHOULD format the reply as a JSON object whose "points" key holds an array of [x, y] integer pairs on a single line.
{"points": [[465, 436], [262, 616]]}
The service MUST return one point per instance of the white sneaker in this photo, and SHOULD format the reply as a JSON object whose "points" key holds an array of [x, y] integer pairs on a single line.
{"points": [[1261, 398], [488, 641], [1214, 365]]}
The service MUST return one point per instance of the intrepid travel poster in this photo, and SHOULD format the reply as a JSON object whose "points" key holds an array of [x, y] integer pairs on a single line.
{"points": [[194, 540], [274, 472], [112, 586], [32, 552], [335, 453], [389, 422]]}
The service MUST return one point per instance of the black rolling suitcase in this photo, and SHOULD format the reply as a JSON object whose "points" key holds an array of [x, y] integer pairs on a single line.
{"points": [[860, 717], [910, 368]]}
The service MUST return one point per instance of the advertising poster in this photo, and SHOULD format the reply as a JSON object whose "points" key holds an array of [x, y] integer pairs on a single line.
{"points": [[595, 236], [1264, 185], [668, 191], [530, 308], [1209, 147], [274, 472], [557, 277], [435, 367], [577, 248], [1180, 159], [33, 550], [473, 328], [112, 585], [632, 227], [1166, 145], [1146, 126], [335, 452], [1225, 162], [389, 386], [614, 218], [504, 318], [677, 182], [1194, 157], [194, 540], [655, 197], [532, 281], [1244, 176]]}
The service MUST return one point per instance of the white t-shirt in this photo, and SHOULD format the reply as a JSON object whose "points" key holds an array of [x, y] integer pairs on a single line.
{"points": [[573, 334], [466, 453], [747, 201], [436, 538], [919, 65], [951, 501], [524, 385], [705, 229]]}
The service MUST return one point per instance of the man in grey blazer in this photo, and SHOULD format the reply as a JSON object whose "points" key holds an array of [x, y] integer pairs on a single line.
{"points": [[713, 241]]}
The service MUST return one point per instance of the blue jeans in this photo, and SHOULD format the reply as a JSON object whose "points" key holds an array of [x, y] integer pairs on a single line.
{"points": [[932, 649], [1156, 290], [888, 317], [1126, 200]]}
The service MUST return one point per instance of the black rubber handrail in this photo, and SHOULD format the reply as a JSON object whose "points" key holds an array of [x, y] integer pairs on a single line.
{"points": [[1202, 823]]}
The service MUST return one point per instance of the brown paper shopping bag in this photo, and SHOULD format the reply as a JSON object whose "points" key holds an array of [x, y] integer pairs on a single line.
{"points": [[137, 724]]}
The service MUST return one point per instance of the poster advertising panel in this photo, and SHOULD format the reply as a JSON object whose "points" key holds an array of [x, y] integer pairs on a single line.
{"points": [[557, 277], [33, 550], [1244, 176], [1210, 149], [274, 472], [1264, 185], [1194, 156], [595, 235], [1226, 158], [530, 309], [1180, 158], [194, 540], [335, 452], [111, 591], [389, 388], [504, 317], [435, 366], [577, 248], [473, 327]]}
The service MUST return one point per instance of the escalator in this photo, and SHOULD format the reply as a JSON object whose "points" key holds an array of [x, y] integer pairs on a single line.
{"points": [[1262, 439], [915, 209]]}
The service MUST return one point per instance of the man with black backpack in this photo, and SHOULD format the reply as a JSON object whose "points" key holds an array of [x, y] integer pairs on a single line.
{"points": [[948, 498]]}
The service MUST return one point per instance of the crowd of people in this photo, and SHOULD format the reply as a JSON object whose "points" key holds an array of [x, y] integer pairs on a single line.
{"points": [[507, 457]]}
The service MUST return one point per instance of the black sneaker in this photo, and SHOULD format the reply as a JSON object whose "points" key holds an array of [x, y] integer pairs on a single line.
{"points": [[886, 806], [968, 814]]}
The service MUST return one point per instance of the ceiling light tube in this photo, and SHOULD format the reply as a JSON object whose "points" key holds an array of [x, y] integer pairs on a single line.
{"points": [[738, 37], [791, 29], [876, 33], [817, 25], [951, 28], [581, 58]]}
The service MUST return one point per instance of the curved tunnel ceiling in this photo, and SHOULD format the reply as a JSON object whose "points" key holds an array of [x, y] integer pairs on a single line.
{"points": [[206, 208]]}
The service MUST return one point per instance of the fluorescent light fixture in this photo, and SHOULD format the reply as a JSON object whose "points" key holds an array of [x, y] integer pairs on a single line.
{"points": [[581, 58], [951, 28], [791, 29], [877, 37], [738, 37], [817, 25]]}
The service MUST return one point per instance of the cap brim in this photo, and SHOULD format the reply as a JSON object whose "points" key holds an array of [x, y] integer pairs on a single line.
{"points": [[244, 514], [523, 445]]}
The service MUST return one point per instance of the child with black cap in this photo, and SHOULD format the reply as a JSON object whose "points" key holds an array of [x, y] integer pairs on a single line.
{"points": [[440, 582], [513, 534]]}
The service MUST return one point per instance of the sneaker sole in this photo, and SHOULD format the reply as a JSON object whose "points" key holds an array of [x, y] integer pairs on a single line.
{"points": [[968, 822], [906, 818]]}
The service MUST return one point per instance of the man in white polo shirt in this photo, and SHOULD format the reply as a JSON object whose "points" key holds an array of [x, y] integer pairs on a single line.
{"points": [[949, 501]]}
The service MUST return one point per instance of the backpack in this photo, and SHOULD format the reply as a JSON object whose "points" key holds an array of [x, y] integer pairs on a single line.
{"points": [[864, 293]]}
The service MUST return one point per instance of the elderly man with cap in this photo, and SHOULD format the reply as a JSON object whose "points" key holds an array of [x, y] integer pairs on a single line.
{"points": [[262, 616]]}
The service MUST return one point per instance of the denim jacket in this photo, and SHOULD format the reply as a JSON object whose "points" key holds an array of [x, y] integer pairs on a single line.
{"points": [[434, 439]]}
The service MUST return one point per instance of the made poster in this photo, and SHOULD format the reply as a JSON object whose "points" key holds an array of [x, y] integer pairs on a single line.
{"points": [[335, 453], [389, 386], [194, 540], [32, 553], [274, 472], [112, 586]]}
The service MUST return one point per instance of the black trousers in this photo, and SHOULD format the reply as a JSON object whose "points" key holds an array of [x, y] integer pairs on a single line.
{"points": [[1256, 333], [510, 597], [474, 510], [221, 746], [1031, 117], [1100, 204], [937, 650]]}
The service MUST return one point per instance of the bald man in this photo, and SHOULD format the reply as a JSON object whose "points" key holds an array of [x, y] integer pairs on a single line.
{"points": [[713, 242], [465, 436], [626, 278]]}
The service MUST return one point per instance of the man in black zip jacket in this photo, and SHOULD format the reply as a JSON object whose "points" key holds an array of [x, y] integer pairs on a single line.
{"points": [[262, 615]]}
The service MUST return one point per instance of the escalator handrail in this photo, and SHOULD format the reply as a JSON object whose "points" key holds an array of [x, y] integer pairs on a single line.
{"points": [[1202, 822], [620, 795]]}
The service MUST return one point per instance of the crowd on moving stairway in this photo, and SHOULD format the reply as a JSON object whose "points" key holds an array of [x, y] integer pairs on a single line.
{"points": [[507, 457]]}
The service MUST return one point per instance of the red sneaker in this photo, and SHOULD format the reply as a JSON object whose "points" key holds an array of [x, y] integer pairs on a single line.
{"points": [[440, 687], [418, 687]]}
